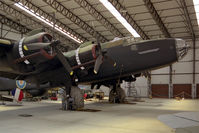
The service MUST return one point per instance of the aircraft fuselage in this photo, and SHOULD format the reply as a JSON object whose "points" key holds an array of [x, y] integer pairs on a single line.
{"points": [[131, 57]]}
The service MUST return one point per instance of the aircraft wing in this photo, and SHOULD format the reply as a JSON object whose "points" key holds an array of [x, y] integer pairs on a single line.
{"points": [[5, 46], [8, 75]]}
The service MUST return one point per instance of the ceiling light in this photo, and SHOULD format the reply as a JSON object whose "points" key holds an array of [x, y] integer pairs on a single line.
{"points": [[119, 17], [196, 6], [46, 21]]}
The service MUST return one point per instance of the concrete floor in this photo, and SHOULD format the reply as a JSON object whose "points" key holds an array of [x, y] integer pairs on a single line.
{"points": [[141, 117]]}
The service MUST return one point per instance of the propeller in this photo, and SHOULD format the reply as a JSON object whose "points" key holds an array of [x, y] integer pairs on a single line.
{"points": [[101, 55], [53, 45], [98, 63], [62, 58]]}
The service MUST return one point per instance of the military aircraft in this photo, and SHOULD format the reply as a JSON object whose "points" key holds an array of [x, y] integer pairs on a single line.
{"points": [[37, 59]]}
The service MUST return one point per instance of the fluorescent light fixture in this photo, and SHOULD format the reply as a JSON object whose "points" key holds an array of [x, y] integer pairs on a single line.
{"points": [[119, 17], [46, 21], [196, 6]]}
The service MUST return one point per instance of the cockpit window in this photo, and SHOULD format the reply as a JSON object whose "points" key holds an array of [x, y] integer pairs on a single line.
{"points": [[115, 39], [131, 40]]}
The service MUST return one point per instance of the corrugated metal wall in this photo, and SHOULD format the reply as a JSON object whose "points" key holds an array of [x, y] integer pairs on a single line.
{"points": [[182, 90], [197, 91], [160, 90]]}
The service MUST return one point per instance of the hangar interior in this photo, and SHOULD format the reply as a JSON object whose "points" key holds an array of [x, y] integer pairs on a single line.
{"points": [[152, 19], [77, 21]]}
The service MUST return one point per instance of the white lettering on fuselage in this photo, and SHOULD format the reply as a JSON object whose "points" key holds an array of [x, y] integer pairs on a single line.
{"points": [[149, 51]]}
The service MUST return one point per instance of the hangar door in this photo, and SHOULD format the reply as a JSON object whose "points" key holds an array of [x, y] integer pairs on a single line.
{"points": [[160, 90], [182, 90], [197, 91]]}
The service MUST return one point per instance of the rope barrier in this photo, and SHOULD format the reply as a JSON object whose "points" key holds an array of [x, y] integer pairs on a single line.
{"points": [[181, 94]]}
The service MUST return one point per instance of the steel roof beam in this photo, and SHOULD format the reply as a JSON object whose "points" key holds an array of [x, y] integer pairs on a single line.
{"points": [[98, 16], [129, 19], [26, 20], [18, 15], [14, 25], [50, 17], [75, 19], [157, 18]]}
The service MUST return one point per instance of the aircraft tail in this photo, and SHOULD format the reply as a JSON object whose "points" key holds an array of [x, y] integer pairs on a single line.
{"points": [[18, 94]]}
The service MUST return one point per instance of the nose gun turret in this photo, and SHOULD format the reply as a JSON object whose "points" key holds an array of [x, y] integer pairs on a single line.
{"points": [[181, 48]]}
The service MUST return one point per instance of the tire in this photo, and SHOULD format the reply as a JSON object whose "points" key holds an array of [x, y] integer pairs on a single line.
{"points": [[112, 96], [117, 96], [78, 98]]}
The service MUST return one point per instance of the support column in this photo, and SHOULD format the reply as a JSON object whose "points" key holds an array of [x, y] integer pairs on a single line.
{"points": [[170, 82], [193, 91], [149, 85], [1, 30], [191, 29], [194, 70]]}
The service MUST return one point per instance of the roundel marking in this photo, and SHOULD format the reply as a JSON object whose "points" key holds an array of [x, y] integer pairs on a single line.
{"points": [[21, 84]]}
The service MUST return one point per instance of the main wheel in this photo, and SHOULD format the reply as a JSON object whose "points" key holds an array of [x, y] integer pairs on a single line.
{"points": [[117, 95], [78, 99]]}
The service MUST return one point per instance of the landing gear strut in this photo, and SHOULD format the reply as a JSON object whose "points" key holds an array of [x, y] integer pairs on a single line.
{"points": [[117, 94]]}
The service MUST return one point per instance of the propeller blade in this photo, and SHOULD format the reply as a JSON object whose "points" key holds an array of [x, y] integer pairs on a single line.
{"points": [[98, 63], [36, 46], [99, 49], [110, 60], [63, 60]]}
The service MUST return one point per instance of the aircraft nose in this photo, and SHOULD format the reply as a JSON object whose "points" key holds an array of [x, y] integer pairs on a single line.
{"points": [[181, 48]]}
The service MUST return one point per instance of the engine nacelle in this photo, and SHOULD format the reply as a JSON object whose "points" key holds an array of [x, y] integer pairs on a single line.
{"points": [[24, 59], [22, 48]]}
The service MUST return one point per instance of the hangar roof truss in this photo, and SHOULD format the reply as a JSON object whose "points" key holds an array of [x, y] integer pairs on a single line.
{"points": [[87, 19]]}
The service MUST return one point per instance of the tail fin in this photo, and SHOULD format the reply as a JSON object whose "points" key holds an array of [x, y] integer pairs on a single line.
{"points": [[18, 94]]}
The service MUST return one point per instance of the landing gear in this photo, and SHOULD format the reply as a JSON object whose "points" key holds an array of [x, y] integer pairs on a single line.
{"points": [[117, 95], [78, 99], [75, 98]]}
